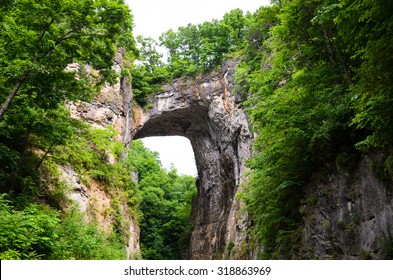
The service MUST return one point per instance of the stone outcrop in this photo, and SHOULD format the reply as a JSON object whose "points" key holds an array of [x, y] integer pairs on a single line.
{"points": [[206, 111], [348, 211], [112, 106], [96, 204]]}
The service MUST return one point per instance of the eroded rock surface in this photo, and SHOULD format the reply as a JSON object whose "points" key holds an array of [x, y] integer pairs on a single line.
{"points": [[112, 106], [206, 111], [349, 211]]}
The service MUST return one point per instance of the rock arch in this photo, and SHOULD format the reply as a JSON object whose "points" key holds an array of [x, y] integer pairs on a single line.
{"points": [[206, 111]]}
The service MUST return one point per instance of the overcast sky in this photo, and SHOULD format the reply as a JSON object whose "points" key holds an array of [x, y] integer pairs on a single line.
{"points": [[151, 19]]}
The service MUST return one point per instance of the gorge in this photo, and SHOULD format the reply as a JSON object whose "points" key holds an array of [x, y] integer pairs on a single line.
{"points": [[346, 209], [289, 111]]}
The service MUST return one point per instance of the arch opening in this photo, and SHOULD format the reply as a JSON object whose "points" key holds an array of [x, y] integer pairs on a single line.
{"points": [[176, 150], [204, 110], [166, 197]]}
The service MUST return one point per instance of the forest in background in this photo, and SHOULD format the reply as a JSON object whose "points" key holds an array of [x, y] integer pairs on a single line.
{"points": [[315, 76]]}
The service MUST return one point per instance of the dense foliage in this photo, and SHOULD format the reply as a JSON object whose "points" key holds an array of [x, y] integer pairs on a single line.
{"points": [[198, 48], [40, 232], [149, 72], [320, 85], [165, 207], [38, 39]]}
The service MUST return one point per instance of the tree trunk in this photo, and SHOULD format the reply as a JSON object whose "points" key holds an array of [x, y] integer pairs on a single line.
{"points": [[13, 94], [45, 155]]}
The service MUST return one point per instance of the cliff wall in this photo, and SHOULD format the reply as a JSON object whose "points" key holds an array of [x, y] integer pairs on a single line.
{"points": [[348, 210], [112, 106]]}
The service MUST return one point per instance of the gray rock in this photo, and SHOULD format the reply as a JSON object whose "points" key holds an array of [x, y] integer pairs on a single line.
{"points": [[204, 110], [77, 191], [351, 214]]}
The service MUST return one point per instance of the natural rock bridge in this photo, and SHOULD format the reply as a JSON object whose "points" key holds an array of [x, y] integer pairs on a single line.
{"points": [[205, 111]]}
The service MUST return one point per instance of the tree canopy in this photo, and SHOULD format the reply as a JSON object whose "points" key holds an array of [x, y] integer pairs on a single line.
{"points": [[40, 38]]}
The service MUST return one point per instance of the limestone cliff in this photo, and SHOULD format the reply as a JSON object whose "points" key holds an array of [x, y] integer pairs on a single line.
{"points": [[112, 106], [348, 210]]}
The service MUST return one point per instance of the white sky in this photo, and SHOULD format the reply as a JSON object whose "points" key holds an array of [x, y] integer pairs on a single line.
{"points": [[173, 149], [151, 19]]}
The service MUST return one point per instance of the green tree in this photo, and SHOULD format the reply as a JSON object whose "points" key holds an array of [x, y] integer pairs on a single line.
{"points": [[165, 206], [21, 133], [234, 23], [199, 48], [148, 73], [38, 39], [27, 233], [366, 28]]}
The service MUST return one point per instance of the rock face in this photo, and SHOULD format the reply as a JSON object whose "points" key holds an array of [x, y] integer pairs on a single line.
{"points": [[349, 212], [205, 110], [112, 106]]}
